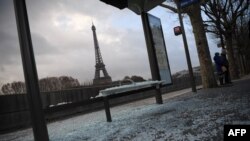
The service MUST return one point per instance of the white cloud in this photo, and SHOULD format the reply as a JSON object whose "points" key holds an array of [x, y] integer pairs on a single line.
{"points": [[63, 41]]}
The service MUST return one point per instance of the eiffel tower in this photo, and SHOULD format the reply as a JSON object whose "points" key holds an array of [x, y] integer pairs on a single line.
{"points": [[99, 66]]}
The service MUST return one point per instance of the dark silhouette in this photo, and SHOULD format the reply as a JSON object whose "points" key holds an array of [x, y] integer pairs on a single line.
{"points": [[225, 64], [218, 63]]}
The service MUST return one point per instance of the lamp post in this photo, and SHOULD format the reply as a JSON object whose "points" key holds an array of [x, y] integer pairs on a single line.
{"points": [[190, 69]]}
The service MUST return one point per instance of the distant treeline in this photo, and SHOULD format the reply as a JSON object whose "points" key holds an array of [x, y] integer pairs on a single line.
{"points": [[66, 82], [45, 84]]}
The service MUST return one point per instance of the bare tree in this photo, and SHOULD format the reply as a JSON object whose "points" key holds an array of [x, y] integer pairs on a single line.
{"points": [[1, 92], [223, 16], [58, 83], [194, 13], [242, 39], [18, 87], [50, 84], [6, 89], [68, 82], [136, 78]]}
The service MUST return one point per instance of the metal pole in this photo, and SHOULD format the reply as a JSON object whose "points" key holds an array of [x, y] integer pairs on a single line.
{"points": [[190, 69], [30, 73], [107, 109], [151, 55]]}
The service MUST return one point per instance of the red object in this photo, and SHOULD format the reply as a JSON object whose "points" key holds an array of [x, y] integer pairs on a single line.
{"points": [[177, 30]]}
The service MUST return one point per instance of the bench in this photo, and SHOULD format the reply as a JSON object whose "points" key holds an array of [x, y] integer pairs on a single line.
{"points": [[129, 89]]}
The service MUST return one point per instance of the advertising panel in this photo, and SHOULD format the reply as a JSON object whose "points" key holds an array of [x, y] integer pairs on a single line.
{"points": [[160, 49]]}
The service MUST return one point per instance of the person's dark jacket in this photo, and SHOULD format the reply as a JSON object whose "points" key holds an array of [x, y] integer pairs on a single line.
{"points": [[218, 63]]}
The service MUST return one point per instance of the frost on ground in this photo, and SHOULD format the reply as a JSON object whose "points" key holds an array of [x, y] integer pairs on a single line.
{"points": [[199, 116]]}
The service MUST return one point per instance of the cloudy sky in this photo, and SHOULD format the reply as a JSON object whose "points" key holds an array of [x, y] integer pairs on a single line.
{"points": [[63, 41]]}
